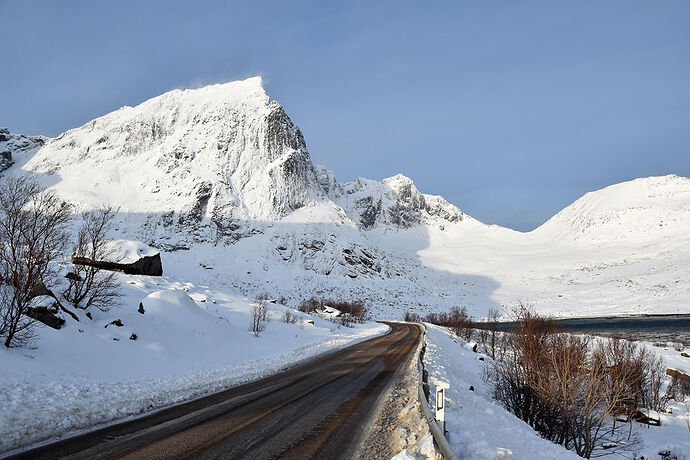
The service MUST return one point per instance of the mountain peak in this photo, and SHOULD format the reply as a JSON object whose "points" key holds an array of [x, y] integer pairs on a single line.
{"points": [[248, 92]]}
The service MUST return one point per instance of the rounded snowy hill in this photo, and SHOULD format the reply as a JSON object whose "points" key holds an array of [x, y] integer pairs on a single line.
{"points": [[645, 208]]}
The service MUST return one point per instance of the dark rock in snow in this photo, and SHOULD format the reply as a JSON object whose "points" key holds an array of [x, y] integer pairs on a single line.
{"points": [[147, 265], [40, 289], [45, 316], [73, 277], [5, 159]]}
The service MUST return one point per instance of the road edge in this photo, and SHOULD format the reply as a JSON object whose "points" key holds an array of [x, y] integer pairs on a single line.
{"points": [[441, 442]]}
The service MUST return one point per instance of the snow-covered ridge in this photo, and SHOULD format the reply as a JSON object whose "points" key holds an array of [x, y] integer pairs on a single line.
{"points": [[213, 162], [642, 208]]}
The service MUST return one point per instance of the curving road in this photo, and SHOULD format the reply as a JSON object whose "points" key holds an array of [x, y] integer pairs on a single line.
{"points": [[317, 410]]}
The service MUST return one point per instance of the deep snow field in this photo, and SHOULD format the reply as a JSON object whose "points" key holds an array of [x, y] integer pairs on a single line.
{"points": [[191, 340], [480, 428]]}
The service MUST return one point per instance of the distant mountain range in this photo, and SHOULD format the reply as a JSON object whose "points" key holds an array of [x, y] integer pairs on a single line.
{"points": [[220, 177]]}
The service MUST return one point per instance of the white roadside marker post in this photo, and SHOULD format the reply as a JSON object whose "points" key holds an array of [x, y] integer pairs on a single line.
{"points": [[441, 388]]}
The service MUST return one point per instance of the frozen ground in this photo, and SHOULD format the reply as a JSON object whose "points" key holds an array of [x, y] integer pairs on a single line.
{"points": [[480, 428], [192, 340]]}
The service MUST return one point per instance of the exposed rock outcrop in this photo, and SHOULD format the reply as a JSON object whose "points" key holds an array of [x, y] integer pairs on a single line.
{"points": [[12, 145], [147, 265]]}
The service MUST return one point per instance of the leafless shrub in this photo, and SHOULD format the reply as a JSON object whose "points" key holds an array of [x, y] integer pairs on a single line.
{"points": [[570, 388], [491, 327], [354, 311], [33, 233], [310, 305], [260, 315], [89, 285], [654, 374], [411, 317], [457, 320], [460, 323], [289, 317]]}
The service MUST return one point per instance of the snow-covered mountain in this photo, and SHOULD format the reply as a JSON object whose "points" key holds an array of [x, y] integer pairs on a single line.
{"points": [[221, 178], [645, 208]]}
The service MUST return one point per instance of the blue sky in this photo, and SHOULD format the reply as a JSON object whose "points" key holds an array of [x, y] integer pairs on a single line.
{"points": [[510, 110]]}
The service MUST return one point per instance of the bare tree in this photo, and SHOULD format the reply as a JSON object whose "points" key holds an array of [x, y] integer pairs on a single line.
{"points": [[289, 317], [492, 340], [89, 285], [260, 315], [33, 233]]}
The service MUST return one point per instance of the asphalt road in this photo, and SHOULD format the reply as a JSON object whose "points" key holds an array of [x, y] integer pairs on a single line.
{"points": [[317, 410]]}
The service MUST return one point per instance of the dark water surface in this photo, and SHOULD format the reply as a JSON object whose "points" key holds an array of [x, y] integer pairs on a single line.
{"points": [[662, 328]]}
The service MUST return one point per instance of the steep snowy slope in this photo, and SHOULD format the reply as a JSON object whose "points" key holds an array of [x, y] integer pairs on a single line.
{"points": [[222, 173]]}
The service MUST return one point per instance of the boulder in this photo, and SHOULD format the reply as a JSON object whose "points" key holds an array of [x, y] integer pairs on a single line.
{"points": [[45, 316], [680, 375], [147, 265]]}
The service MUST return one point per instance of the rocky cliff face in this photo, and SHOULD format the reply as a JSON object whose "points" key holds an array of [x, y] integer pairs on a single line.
{"points": [[209, 161], [16, 145], [395, 202]]}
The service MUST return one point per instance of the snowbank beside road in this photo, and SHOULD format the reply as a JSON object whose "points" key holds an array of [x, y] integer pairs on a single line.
{"points": [[91, 373], [480, 428]]}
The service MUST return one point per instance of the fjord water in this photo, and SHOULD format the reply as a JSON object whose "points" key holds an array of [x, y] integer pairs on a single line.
{"points": [[664, 328], [659, 328]]}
